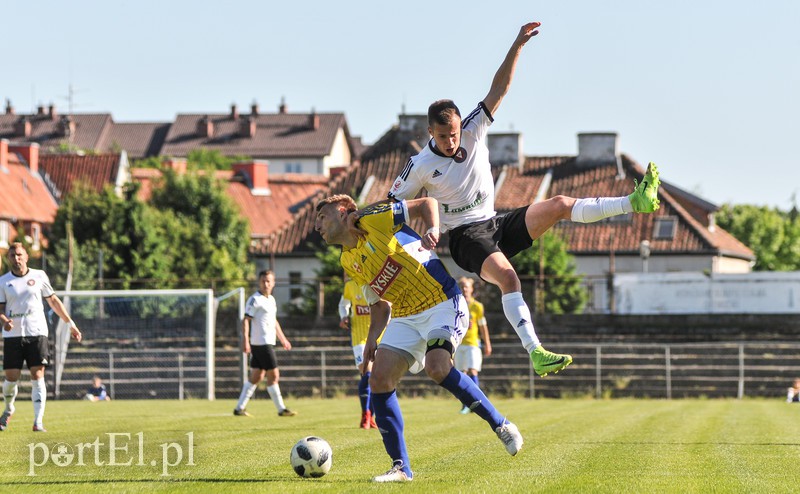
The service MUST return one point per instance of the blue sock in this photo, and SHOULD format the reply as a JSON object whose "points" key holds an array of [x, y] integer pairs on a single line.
{"points": [[474, 379], [363, 392], [390, 424], [471, 396]]}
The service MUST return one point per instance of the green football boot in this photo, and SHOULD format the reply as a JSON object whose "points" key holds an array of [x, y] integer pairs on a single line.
{"points": [[545, 362], [644, 198]]}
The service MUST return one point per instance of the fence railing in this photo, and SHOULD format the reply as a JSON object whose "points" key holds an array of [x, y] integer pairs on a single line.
{"points": [[608, 370]]}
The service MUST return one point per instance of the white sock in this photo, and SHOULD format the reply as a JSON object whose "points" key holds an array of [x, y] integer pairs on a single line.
{"points": [[248, 389], [596, 209], [39, 398], [518, 314], [275, 393], [9, 395]]}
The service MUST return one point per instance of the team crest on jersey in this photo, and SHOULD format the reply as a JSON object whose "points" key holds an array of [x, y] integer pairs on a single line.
{"points": [[460, 155], [386, 276], [31, 282], [397, 185], [357, 267]]}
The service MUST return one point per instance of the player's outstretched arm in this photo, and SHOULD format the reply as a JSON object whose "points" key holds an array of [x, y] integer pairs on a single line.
{"points": [[502, 79], [426, 208]]}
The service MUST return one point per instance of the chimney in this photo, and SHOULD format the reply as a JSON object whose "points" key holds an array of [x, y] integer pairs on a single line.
{"points": [[3, 153], [234, 112], [254, 109], [178, 165], [597, 148], [22, 127], [51, 110], [9, 108], [66, 126], [255, 174], [282, 108], [40, 110], [414, 127], [29, 152], [205, 127], [313, 120], [506, 149], [247, 127]]}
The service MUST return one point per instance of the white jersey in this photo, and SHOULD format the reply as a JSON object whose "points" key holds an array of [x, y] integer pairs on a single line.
{"points": [[23, 296], [263, 310], [462, 183]]}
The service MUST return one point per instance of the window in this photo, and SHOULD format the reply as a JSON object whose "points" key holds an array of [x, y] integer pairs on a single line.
{"points": [[292, 167], [3, 233], [664, 228], [295, 280]]}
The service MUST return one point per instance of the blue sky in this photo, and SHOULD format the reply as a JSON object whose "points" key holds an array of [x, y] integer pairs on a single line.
{"points": [[709, 90]]}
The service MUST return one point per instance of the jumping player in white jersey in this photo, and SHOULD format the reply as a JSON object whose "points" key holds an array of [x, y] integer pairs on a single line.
{"points": [[25, 331], [260, 329], [454, 169]]}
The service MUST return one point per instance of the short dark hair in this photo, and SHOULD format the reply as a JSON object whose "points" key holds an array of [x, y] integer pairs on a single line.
{"points": [[442, 111], [266, 272], [342, 200]]}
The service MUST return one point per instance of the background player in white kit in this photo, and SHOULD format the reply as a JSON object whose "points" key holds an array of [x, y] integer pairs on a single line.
{"points": [[260, 329], [25, 331], [454, 169]]}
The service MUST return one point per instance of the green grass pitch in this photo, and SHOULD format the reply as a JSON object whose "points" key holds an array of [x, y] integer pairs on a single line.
{"points": [[578, 445]]}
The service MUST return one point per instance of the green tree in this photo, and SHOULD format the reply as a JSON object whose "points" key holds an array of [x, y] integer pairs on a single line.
{"points": [[122, 231], [773, 235], [563, 292], [210, 238]]}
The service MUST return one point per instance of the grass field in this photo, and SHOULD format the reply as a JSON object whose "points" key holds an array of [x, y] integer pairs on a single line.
{"points": [[571, 445]]}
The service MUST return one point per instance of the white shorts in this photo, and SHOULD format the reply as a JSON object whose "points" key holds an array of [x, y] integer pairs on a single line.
{"points": [[358, 353], [409, 335], [468, 357]]}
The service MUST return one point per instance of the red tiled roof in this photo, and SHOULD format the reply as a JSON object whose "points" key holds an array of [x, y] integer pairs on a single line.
{"points": [[265, 213], [64, 170], [277, 135], [24, 195]]}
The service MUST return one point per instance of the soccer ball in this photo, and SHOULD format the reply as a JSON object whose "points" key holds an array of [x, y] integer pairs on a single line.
{"points": [[311, 457]]}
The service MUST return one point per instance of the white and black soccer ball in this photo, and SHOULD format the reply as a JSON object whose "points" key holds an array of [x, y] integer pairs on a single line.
{"points": [[311, 457]]}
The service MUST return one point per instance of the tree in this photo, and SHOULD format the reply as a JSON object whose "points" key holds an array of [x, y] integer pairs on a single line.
{"points": [[190, 234], [773, 235], [205, 228], [563, 292]]}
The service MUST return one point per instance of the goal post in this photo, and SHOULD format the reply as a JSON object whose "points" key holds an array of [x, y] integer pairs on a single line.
{"points": [[142, 343]]}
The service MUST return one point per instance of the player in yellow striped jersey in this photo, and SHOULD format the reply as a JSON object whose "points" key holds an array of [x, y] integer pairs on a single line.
{"points": [[469, 356], [354, 317], [412, 295]]}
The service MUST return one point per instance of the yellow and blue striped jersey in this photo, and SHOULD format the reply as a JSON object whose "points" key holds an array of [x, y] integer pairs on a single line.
{"points": [[359, 312], [389, 261], [471, 337]]}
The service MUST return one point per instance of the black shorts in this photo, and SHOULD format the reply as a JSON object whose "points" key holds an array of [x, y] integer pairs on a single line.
{"points": [[471, 244], [34, 350], [263, 357]]}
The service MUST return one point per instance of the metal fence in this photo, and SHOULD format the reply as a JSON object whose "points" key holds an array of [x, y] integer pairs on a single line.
{"points": [[631, 370]]}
